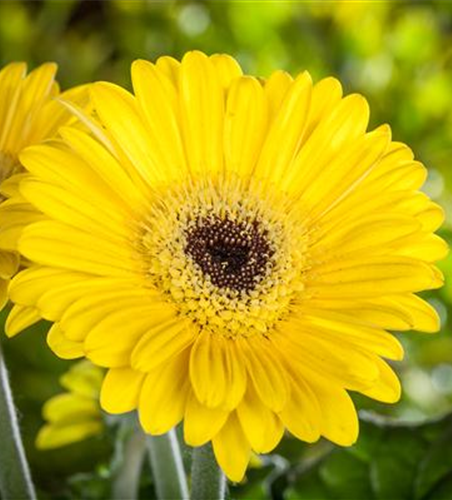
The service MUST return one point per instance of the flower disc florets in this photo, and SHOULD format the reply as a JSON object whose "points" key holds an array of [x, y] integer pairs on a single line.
{"points": [[228, 260]]}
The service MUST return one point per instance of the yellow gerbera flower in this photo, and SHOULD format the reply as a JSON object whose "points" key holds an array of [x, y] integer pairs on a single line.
{"points": [[74, 415], [28, 115], [233, 250]]}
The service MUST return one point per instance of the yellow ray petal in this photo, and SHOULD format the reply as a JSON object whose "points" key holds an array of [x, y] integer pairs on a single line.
{"points": [[326, 94], [275, 90], [84, 379], [53, 243], [245, 125], [158, 104], [201, 424], [106, 166], [11, 77], [344, 363], [44, 161], [107, 344], [343, 126], [227, 68], [372, 277], [217, 374], [169, 67], [161, 343], [285, 134], [35, 90], [388, 388], [265, 370], [337, 327], [301, 414], [62, 346], [232, 449], [19, 318], [164, 394], [53, 436], [72, 209], [9, 264], [339, 421], [65, 408], [121, 390], [118, 111], [262, 427], [202, 114]]}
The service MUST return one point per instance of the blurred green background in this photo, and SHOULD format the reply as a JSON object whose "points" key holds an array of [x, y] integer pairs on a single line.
{"points": [[399, 55]]}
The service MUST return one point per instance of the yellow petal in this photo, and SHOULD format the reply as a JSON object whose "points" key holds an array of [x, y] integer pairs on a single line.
{"points": [[217, 373], [339, 421], [35, 90], [83, 379], [62, 346], [54, 436], [9, 264], [20, 318], [158, 104], [121, 390], [326, 94], [262, 427], [73, 209], [336, 327], [169, 67], [98, 344], [343, 362], [202, 423], [388, 388], [11, 77], [335, 134], [426, 247], [286, 132], [3, 293], [232, 449], [301, 414], [118, 111], [423, 316], [245, 125], [164, 394], [106, 166], [372, 277], [265, 370], [161, 343], [15, 215], [202, 114], [53, 243], [66, 408], [44, 161], [227, 68], [275, 90]]}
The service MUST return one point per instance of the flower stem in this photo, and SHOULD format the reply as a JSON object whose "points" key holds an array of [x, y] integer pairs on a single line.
{"points": [[15, 477], [208, 480], [127, 480], [167, 466]]}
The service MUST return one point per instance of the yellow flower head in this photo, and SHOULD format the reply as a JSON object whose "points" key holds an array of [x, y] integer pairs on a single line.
{"points": [[233, 250], [29, 114], [74, 415]]}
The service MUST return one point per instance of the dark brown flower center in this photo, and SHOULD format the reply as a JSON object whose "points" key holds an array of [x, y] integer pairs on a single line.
{"points": [[235, 255]]}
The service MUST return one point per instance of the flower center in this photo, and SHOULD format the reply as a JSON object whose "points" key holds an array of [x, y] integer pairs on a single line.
{"points": [[233, 254], [227, 258]]}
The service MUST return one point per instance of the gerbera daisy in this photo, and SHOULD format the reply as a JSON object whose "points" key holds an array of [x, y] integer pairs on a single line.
{"points": [[29, 114], [233, 250], [74, 415]]}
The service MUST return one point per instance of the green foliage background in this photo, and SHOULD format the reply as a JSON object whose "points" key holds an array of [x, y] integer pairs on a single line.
{"points": [[399, 55]]}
